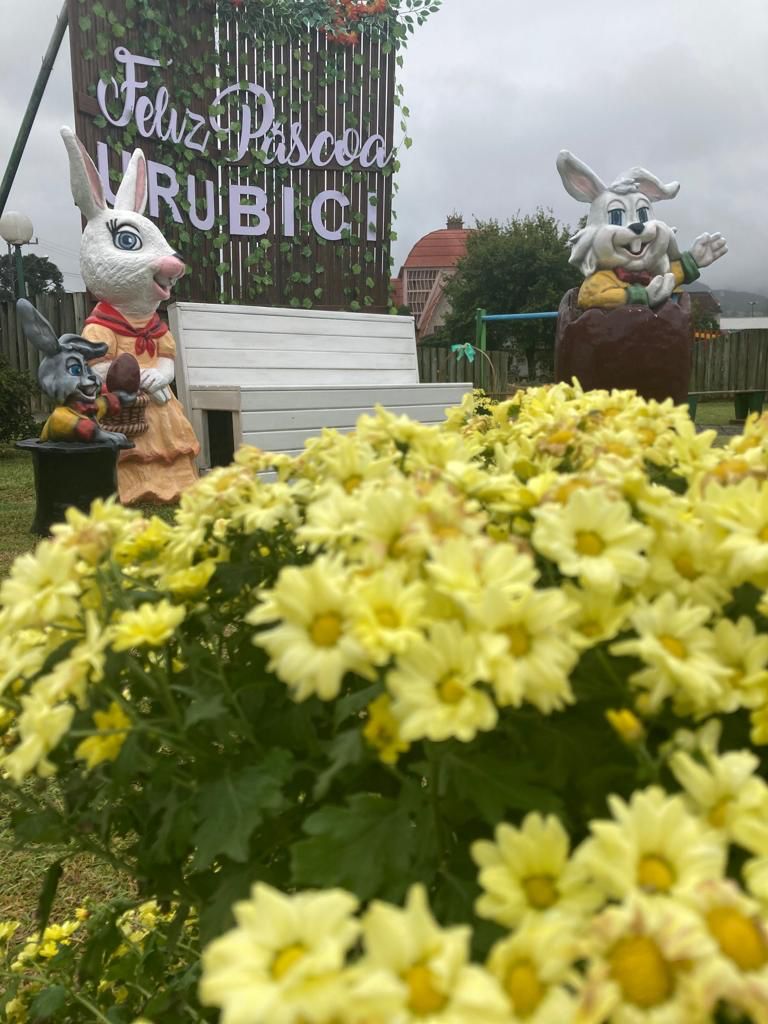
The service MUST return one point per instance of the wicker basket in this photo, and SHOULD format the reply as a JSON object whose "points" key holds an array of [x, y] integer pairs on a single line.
{"points": [[132, 419]]}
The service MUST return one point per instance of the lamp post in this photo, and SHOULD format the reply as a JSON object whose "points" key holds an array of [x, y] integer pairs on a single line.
{"points": [[16, 229]]}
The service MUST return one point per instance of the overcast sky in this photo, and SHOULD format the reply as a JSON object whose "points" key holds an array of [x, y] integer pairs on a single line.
{"points": [[496, 88]]}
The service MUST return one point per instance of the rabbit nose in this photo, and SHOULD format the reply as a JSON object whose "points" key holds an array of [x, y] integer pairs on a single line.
{"points": [[170, 266], [637, 227]]}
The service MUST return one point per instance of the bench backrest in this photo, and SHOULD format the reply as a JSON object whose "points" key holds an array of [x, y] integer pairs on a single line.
{"points": [[256, 346]]}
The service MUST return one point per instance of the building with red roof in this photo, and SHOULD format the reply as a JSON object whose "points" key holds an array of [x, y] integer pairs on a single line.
{"points": [[421, 282]]}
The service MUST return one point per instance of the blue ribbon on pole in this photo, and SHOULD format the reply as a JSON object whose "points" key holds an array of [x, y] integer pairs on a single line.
{"points": [[467, 350]]}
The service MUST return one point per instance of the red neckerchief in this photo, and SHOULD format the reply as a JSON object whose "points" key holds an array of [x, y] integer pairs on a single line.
{"points": [[107, 316], [633, 276]]}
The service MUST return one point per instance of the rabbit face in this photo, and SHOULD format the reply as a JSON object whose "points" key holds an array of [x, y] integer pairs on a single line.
{"points": [[621, 229], [64, 374], [126, 261], [124, 258], [67, 377]]}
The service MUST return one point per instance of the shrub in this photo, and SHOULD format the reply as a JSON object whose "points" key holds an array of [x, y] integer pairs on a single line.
{"points": [[462, 720], [16, 390]]}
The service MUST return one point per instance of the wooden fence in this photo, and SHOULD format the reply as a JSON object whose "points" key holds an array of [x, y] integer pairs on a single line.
{"points": [[730, 362]]}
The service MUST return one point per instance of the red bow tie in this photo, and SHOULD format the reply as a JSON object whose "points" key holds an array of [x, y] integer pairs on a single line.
{"points": [[633, 276]]}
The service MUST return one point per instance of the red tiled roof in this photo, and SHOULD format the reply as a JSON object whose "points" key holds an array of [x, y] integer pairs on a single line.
{"points": [[443, 248]]}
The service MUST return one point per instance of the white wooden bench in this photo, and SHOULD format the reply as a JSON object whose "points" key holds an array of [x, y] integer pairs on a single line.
{"points": [[275, 377]]}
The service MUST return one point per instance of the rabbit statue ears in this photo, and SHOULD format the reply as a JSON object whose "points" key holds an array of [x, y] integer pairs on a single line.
{"points": [[38, 332], [87, 189], [585, 186]]}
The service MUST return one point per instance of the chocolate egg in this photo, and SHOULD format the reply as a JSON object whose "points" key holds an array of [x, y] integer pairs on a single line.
{"points": [[124, 374]]}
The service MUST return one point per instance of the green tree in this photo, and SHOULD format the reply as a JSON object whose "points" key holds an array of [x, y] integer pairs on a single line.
{"points": [[40, 275], [520, 266]]}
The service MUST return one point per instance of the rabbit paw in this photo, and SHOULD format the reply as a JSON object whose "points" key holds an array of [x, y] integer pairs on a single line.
{"points": [[152, 379], [112, 438], [708, 248], [660, 288]]}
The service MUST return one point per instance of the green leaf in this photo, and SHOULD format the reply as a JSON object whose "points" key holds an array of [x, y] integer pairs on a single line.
{"points": [[493, 782], [365, 847], [84, 22], [344, 750], [47, 1002], [42, 827], [48, 894], [232, 807], [203, 709]]}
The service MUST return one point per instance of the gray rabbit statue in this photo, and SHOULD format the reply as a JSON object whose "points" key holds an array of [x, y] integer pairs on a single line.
{"points": [[66, 378]]}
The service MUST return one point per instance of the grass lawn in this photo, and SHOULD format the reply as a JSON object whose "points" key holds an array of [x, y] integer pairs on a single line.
{"points": [[17, 505], [85, 879], [714, 414]]}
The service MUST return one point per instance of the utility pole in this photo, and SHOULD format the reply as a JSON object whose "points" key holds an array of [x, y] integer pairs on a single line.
{"points": [[34, 102]]}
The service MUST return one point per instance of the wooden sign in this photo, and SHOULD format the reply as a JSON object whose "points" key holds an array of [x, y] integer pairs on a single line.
{"points": [[270, 160]]}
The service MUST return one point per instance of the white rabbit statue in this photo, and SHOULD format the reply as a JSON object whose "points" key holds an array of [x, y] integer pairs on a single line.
{"points": [[130, 268], [627, 256]]}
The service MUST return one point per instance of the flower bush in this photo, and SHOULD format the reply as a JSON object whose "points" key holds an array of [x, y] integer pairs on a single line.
{"points": [[439, 724]]}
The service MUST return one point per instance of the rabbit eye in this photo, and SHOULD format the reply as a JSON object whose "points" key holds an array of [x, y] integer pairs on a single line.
{"points": [[642, 214], [616, 217], [74, 369], [128, 240]]}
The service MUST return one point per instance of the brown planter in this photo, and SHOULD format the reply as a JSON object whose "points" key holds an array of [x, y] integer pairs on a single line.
{"points": [[649, 351]]}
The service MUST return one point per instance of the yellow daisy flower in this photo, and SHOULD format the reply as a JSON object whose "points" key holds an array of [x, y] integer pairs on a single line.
{"points": [[727, 791], [740, 973], [745, 652], [645, 963], [471, 571], [683, 561], [534, 967], [653, 845], [679, 652], [594, 538], [313, 645], [387, 612], [41, 726], [438, 983], [527, 648], [382, 730], [527, 871], [434, 688], [741, 512], [282, 959], [148, 625], [113, 725], [596, 616], [42, 588]]}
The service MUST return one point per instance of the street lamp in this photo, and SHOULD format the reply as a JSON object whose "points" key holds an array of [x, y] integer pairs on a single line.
{"points": [[16, 229]]}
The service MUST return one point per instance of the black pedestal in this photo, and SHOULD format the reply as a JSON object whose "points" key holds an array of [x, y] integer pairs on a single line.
{"points": [[69, 473]]}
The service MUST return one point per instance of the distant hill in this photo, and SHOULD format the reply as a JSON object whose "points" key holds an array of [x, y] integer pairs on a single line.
{"points": [[733, 303]]}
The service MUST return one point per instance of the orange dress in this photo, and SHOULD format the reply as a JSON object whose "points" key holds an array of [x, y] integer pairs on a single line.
{"points": [[162, 464]]}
